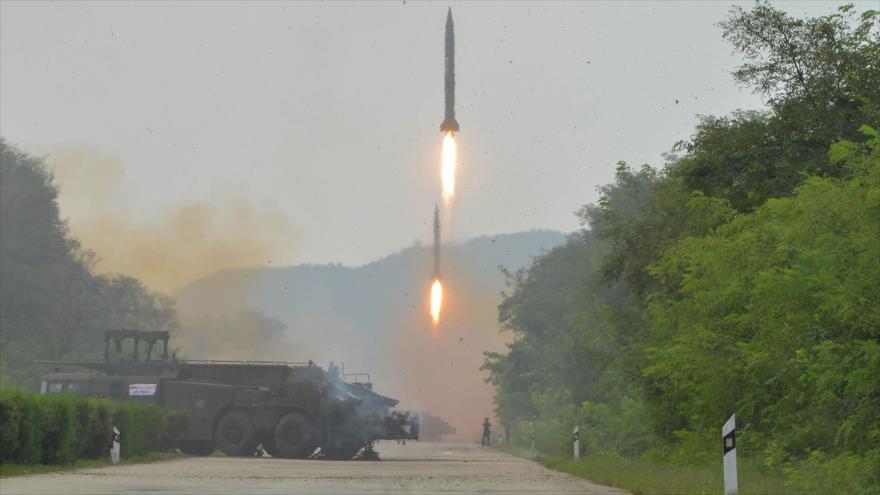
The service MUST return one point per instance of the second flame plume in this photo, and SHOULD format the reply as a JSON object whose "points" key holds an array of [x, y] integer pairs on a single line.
{"points": [[436, 301]]}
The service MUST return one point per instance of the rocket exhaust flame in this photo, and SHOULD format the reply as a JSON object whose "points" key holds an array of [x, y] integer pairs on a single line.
{"points": [[436, 301], [436, 286], [448, 164]]}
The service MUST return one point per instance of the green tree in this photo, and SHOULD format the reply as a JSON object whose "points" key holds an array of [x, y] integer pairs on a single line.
{"points": [[52, 305], [35, 263], [819, 78], [742, 277], [775, 317]]}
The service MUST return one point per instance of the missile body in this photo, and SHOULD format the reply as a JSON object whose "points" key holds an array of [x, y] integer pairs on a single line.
{"points": [[449, 123], [436, 242]]}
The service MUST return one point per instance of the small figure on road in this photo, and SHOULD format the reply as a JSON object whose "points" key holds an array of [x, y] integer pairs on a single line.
{"points": [[487, 432]]}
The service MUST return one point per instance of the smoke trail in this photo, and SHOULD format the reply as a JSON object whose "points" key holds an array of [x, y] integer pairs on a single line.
{"points": [[181, 245]]}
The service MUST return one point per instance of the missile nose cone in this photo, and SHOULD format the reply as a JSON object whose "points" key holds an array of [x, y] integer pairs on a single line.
{"points": [[449, 123]]}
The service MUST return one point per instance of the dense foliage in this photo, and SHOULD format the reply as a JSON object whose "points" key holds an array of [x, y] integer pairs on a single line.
{"points": [[743, 277], [60, 429], [52, 305]]}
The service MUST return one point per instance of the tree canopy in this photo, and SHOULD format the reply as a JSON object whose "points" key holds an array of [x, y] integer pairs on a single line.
{"points": [[52, 304], [742, 276]]}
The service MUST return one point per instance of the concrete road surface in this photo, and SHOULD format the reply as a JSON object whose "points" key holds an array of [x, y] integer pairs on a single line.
{"points": [[416, 468]]}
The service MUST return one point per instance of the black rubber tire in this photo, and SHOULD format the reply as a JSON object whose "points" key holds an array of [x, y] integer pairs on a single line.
{"points": [[294, 436], [202, 449], [236, 434], [267, 440]]}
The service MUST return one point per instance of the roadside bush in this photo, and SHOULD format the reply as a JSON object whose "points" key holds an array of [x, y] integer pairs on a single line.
{"points": [[10, 420], [58, 428], [23, 442], [842, 473], [37, 429], [142, 428]]}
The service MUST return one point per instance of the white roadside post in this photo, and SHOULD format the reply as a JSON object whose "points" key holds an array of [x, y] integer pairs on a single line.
{"points": [[576, 438], [728, 439], [116, 448]]}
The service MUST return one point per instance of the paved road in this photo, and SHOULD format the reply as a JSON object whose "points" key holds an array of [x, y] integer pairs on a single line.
{"points": [[417, 468]]}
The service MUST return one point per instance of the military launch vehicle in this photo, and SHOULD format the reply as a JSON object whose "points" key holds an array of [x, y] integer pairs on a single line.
{"points": [[292, 410]]}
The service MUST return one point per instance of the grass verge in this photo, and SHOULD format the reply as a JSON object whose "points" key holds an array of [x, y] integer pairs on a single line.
{"points": [[652, 478], [9, 469]]}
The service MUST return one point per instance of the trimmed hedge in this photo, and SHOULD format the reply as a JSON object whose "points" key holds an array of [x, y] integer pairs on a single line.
{"points": [[59, 429]]}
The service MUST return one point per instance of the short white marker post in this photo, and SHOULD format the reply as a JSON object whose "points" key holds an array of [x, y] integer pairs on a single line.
{"points": [[576, 438], [728, 439], [116, 448]]}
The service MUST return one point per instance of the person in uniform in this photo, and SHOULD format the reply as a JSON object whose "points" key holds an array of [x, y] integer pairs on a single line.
{"points": [[487, 432]]}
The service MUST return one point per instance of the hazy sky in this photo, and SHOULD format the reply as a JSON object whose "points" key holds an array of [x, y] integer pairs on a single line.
{"points": [[329, 113]]}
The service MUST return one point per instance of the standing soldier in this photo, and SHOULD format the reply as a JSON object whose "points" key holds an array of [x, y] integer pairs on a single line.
{"points": [[487, 432]]}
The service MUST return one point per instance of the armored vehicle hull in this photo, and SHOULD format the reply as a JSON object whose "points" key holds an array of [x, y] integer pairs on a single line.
{"points": [[289, 409]]}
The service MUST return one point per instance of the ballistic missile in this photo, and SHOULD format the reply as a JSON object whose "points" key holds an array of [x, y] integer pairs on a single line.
{"points": [[436, 242], [449, 124]]}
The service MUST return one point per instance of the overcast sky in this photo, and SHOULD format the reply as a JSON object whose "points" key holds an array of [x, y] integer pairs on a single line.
{"points": [[329, 113]]}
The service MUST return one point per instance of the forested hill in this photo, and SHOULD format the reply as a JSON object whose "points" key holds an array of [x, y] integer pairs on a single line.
{"points": [[53, 305], [368, 294], [373, 318], [740, 277], [352, 313]]}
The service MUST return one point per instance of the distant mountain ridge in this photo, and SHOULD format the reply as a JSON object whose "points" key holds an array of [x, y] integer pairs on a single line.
{"points": [[280, 291], [374, 317]]}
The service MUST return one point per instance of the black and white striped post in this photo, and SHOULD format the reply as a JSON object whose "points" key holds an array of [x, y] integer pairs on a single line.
{"points": [[728, 441], [576, 439], [115, 448]]}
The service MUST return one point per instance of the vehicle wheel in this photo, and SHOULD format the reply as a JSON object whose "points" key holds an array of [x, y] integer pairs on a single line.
{"points": [[236, 434], [267, 440], [294, 438], [197, 448]]}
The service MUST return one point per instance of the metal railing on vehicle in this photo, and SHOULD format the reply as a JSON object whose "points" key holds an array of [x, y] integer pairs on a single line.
{"points": [[224, 361]]}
